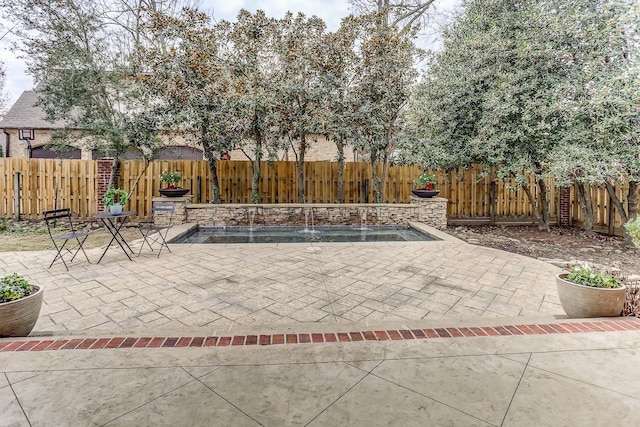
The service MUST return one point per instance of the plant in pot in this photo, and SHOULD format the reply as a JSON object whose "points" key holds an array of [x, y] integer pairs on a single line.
{"points": [[632, 304], [585, 292], [171, 179], [20, 304], [114, 199], [424, 184]]}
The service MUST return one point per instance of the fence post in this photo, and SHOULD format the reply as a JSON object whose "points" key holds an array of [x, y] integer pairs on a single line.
{"points": [[17, 189], [492, 201]]}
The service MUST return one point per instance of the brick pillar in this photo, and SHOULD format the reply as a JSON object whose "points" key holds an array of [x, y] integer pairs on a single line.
{"points": [[565, 206], [104, 172]]}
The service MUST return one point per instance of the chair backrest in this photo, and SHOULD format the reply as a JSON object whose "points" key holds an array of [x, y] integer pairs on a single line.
{"points": [[164, 209], [57, 214], [54, 216]]}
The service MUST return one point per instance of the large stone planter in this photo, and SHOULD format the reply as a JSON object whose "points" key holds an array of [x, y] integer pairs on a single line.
{"points": [[17, 318], [580, 301], [425, 193], [174, 192]]}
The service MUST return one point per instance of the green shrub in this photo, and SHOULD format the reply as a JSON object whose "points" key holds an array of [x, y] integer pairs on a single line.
{"points": [[587, 277], [115, 196], [633, 228], [13, 287]]}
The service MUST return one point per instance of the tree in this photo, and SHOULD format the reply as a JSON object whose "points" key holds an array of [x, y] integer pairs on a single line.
{"points": [[250, 57], [301, 92], [80, 54], [520, 85], [384, 78], [487, 97], [600, 111], [190, 83], [339, 62], [406, 15]]}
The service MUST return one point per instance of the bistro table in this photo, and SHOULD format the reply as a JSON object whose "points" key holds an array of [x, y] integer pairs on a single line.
{"points": [[113, 224]]}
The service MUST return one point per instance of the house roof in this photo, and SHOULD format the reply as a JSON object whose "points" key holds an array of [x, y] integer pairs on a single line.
{"points": [[25, 114]]}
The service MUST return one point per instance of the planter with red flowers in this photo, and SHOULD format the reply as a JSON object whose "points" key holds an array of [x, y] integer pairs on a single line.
{"points": [[171, 178], [424, 184]]}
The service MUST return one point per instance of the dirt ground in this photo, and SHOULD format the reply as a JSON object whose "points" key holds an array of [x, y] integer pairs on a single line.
{"points": [[561, 243], [33, 236]]}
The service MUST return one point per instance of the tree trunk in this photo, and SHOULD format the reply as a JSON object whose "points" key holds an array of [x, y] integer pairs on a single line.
{"points": [[113, 176], [586, 204], [215, 188], [374, 176], [534, 205], [300, 168], [255, 165], [632, 200], [545, 204], [383, 178], [340, 146], [210, 155], [616, 201]]}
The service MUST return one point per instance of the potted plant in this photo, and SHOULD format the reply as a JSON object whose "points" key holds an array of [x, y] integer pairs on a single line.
{"points": [[424, 184], [171, 179], [584, 292], [20, 304], [114, 199]]}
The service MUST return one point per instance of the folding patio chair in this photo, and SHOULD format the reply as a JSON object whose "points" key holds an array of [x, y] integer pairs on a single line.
{"points": [[153, 232], [60, 219]]}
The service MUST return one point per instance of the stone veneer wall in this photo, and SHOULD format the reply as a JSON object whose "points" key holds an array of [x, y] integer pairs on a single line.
{"points": [[432, 212], [179, 210]]}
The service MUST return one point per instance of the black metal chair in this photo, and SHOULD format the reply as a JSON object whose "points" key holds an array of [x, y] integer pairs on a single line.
{"points": [[153, 232], [60, 219]]}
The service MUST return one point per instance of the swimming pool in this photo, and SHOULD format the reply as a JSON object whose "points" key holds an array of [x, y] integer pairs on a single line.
{"points": [[303, 234]]}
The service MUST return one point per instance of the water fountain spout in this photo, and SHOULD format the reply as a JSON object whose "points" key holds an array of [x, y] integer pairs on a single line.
{"points": [[363, 220], [308, 214], [251, 213]]}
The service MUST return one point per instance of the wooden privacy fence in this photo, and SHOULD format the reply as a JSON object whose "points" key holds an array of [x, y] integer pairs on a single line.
{"points": [[52, 183], [48, 184]]}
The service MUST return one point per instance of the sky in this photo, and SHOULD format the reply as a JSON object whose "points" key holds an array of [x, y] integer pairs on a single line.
{"points": [[331, 11]]}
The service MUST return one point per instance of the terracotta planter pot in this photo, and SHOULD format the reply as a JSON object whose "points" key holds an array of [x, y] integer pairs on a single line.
{"points": [[580, 301], [17, 318]]}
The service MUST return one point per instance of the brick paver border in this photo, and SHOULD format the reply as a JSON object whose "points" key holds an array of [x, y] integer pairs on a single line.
{"points": [[622, 324]]}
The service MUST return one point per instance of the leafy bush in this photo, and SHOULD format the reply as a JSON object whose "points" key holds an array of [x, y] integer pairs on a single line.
{"points": [[588, 277], [13, 287], [633, 228], [115, 196]]}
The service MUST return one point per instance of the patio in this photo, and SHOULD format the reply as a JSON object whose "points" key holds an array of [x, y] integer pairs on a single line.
{"points": [[218, 286]]}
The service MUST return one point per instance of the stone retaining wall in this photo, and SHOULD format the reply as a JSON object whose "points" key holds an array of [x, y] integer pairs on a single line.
{"points": [[432, 212]]}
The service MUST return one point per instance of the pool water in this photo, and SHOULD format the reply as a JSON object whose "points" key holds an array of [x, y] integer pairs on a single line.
{"points": [[303, 235]]}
